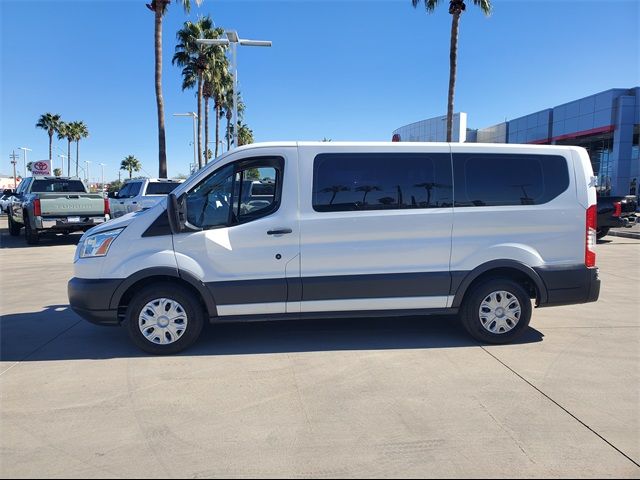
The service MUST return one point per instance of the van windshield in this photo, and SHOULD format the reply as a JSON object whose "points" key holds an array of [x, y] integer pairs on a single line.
{"points": [[53, 185]]}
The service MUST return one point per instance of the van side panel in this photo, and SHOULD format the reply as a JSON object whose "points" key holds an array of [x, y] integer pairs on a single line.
{"points": [[551, 233], [373, 259]]}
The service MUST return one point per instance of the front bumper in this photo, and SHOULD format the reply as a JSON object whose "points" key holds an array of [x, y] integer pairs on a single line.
{"points": [[90, 298], [568, 285]]}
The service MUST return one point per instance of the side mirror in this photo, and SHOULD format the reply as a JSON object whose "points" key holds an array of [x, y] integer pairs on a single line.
{"points": [[112, 195], [8, 191], [174, 214]]}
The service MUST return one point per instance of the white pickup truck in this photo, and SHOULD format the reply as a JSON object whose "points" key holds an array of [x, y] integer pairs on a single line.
{"points": [[140, 194]]}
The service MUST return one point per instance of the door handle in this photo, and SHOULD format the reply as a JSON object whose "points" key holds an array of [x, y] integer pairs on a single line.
{"points": [[135, 203], [280, 231]]}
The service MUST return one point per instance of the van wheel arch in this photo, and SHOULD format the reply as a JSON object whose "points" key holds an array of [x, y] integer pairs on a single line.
{"points": [[511, 270], [125, 292]]}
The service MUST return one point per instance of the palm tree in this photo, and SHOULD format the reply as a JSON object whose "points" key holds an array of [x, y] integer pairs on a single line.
{"points": [[224, 85], [130, 164], [335, 189], [194, 60], [367, 189], [57, 172], [245, 134], [79, 131], [227, 106], [66, 132], [216, 82], [49, 122], [456, 7], [159, 7]]}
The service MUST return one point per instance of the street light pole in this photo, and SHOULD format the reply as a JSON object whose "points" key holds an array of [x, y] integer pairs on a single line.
{"points": [[233, 40], [87, 162], [102, 184], [25, 150], [62, 157], [195, 127], [14, 160]]}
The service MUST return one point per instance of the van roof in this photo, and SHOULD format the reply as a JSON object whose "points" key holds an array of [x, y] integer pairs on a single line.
{"points": [[497, 146]]}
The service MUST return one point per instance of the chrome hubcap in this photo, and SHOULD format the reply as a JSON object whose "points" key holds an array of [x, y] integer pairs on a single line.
{"points": [[500, 312], [162, 321]]}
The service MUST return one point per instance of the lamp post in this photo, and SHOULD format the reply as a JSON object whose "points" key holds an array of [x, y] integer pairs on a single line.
{"points": [[195, 127], [102, 184], [87, 162], [62, 157], [233, 40], [25, 150]]}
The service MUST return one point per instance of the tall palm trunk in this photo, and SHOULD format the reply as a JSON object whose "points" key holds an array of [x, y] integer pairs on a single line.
{"points": [[206, 130], [453, 58], [228, 130], [162, 147], [50, 145], [77, 155], [68, 157], [217, 110], [200, 90]]}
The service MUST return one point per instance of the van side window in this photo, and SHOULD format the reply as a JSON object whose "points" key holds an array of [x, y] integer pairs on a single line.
{"points": [[237, 193], [508, 179], [254, 192], [381, 181], [209, 204]]}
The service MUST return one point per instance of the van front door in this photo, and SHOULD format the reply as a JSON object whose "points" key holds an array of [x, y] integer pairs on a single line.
{"points": [[242, 237]]}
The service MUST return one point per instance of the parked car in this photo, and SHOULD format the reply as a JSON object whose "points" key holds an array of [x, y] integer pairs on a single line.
{"points": [[615, 212], [349, 229], [5, 199], [54, 204], [140, 194]]}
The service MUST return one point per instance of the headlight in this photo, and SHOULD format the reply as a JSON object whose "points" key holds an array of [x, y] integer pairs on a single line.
{"points": [[98, 245]]}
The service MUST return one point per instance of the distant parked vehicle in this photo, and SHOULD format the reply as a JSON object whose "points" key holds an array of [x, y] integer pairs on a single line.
{"points": [[140, 194], [5, 199], [615, 212], [54, 204]]}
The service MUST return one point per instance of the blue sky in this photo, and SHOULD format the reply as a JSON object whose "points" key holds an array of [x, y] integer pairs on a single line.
{"points": [[345, 70]]}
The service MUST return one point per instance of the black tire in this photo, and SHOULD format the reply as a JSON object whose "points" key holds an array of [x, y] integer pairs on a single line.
{"points": [[601, 232], [470, 311], [176, 293], [30, 235], [14, 228]]}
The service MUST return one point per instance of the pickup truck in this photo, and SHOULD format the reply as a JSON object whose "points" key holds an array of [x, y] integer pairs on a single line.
{"points": [[615, 212], [54, 204], [140, 194]]}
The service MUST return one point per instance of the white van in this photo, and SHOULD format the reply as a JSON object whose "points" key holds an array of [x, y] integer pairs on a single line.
{"points": [[327, 229]]}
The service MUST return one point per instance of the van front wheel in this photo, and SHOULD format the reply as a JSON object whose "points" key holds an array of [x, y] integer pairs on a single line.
{"points": [[163, 319], [496, 311]]}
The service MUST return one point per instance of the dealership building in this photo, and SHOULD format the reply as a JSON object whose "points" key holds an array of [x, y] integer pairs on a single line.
{"points": [[607, 124]]}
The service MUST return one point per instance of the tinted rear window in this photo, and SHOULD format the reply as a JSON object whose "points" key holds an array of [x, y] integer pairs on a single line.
{"points": [[508, 179], [43, 186], [161, 188], [381, 181]]}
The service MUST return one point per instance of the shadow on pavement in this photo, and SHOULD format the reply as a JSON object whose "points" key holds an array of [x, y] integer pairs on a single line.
{"points": [[7, 241], [57, 333]]}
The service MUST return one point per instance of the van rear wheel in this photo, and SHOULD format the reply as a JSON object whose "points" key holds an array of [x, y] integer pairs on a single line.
{"points": [[163, 319], [496, 311]]}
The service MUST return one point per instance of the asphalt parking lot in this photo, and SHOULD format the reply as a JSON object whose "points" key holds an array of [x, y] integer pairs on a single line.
{"points": [[410, 397]]}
